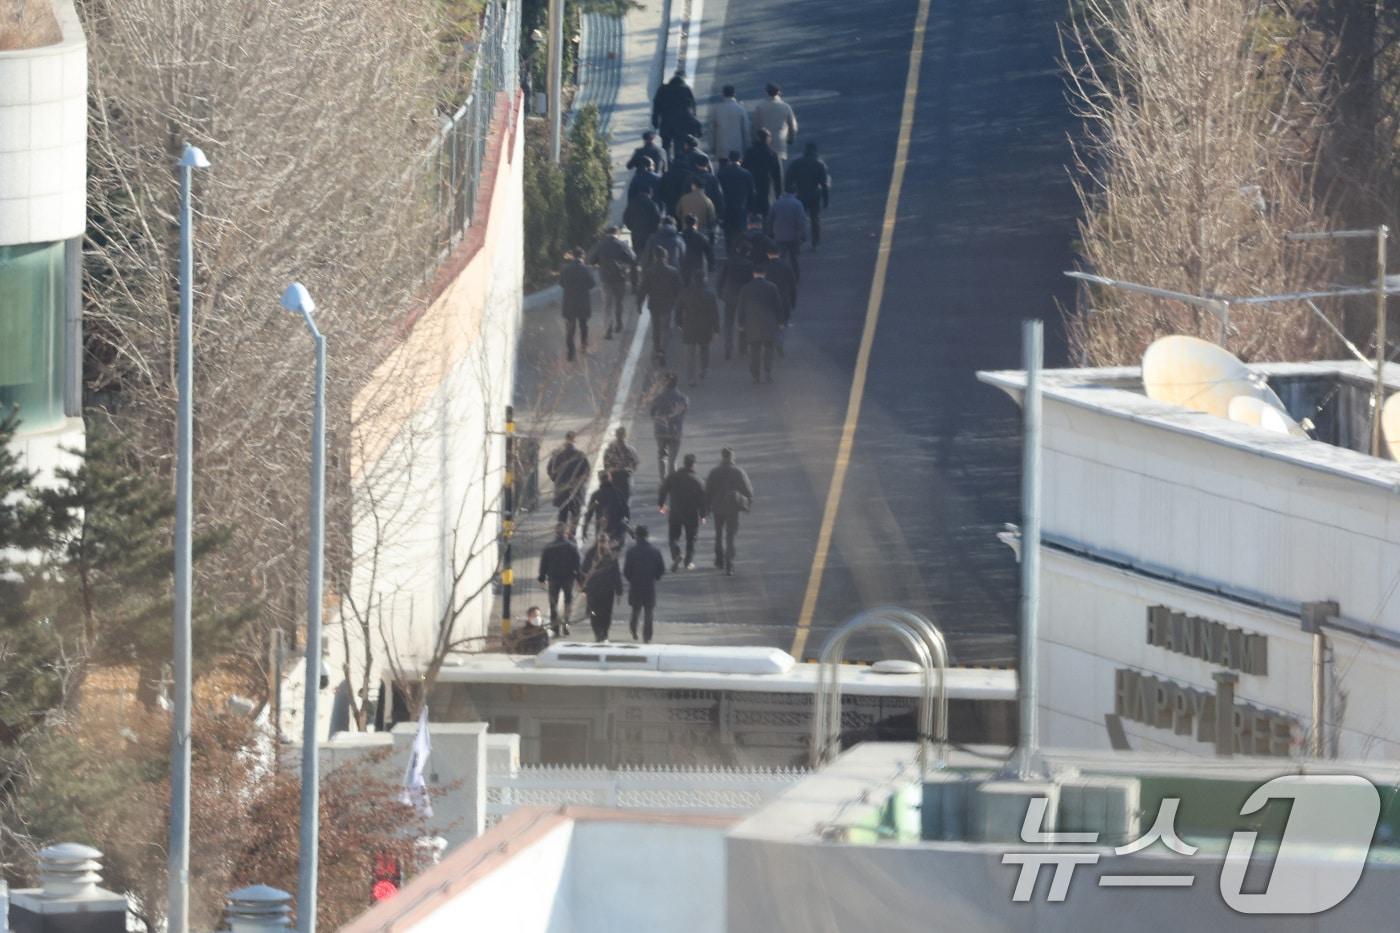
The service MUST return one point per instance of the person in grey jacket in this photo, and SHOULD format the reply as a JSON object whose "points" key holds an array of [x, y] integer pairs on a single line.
{"points": [[787, 221], [775, 115], [763, 310], [728, 124], [728, 492], [668, 422]]}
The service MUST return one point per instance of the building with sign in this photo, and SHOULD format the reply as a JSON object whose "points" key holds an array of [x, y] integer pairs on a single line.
{"points": [[1207, 582]]}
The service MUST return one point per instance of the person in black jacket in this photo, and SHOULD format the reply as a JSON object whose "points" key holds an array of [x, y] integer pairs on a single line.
{"points": [[737, 184], [642, 567], [614, 260], [767, 171], [568, 469], [727, 494], [699, 311], [762, 311], [559, 569], [608, 509], [642, 218], [687, 510], [699, 257], [661, 286], [576, 280], [646, 178], [736, 273], [648, 151], [620, 460], [601, 581], [808, 178], [673, 110]]}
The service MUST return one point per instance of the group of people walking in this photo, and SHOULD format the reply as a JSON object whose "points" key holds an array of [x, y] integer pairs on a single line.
{"points": [[682, 497], [711, 248], [682, 202]]}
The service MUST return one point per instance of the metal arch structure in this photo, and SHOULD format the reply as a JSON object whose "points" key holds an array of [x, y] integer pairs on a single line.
{"points": [[930, 650]]}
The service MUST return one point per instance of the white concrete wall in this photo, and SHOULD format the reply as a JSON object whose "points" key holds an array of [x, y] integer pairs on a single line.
{"points": [[1268, 532], [43, 137]]}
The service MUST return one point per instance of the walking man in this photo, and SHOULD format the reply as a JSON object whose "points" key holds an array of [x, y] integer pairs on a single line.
{"points": [[620, 460], [699, 254], [767, 171], [668, 421], [576, 281], [727, 493], [737, 184], [673, 111], [643, 218], [608, 509], [729, 124], [601, 580], [568, 469], [808, 178], [787, 219], [648, 150], [646, 178], [686, 494], [699, 311], [559, 571], [643, 567], [695, 203], [775, 115], [614, 260], [737, 272], [660, 288], [762, 311], [669, 239]]}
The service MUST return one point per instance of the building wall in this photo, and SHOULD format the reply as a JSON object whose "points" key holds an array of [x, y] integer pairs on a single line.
{"points": [[43, 215], [1226, 534], [427, 458]]}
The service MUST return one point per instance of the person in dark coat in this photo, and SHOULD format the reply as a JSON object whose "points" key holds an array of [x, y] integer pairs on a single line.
{"points": [[645, 179], [614, 260], [660, 288], [787, 221], [699, 256], [737, 184], [808, 178], [728, 493], [687, 510], [735, 274], [691, 156], [780, 274], [673, 110], [568, 469], [668, 422], [709, 183], [608, 509], [621, 461], [601, 580], [675, 184], [577, 282], [767, 171], [699, 311], [559, 569], [642, 568], [762, 310], [642, 218], [648, 151], [667, 237]]}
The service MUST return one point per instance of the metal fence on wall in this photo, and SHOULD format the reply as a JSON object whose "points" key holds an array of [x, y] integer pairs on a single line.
{"points": [[461, 144]]}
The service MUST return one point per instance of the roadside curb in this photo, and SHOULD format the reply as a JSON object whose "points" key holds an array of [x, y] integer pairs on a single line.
{"points": [[534, 301]]}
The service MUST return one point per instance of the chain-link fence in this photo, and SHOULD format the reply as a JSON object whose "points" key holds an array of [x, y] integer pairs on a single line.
{"points": [[461, 145]]}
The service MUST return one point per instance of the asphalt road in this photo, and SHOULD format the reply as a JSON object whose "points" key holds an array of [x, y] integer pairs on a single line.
{"points": [[983, 231]]}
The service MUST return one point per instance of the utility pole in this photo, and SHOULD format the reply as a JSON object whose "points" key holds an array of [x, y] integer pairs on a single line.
{"points": [[1315, 616], [1378, 393], [1032, 340], [508, 522], [556, 76]]}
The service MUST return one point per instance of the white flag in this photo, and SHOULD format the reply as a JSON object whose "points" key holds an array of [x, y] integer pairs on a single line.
{"points": [[415, 785]]}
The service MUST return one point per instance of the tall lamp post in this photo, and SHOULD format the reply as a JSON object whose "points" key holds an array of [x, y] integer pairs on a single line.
{"points": [[298, 300], [178, 908]]}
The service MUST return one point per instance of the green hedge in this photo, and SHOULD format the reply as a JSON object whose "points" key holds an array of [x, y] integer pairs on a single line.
{"points": [[565, 205]]}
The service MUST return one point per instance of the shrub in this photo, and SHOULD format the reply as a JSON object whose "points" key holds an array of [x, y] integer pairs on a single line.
{"points": [[587, 179]]}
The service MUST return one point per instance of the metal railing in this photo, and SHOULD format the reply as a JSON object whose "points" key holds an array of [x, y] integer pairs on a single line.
{"points": [[459, 151]]}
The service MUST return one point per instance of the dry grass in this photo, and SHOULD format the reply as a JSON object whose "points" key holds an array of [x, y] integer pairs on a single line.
{"points": [[27, 24]]}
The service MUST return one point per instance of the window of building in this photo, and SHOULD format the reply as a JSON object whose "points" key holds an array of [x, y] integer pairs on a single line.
{"points": [[31, 333]]}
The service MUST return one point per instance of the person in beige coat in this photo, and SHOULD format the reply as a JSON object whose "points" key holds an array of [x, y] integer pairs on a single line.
{"points": [[775, 115]]}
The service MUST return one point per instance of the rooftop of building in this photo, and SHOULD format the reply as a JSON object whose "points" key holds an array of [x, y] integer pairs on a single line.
{"points": [[1332, 394]]}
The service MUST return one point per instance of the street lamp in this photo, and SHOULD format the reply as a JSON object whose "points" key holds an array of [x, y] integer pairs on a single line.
{"points": [[178, 864], [297, 300]]}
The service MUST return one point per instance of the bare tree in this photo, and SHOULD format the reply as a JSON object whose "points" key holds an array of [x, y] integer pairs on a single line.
{"points": [[317, 119], [1197, 156]]}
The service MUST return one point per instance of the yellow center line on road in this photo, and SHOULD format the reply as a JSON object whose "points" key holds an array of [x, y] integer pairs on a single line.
{"points": [[867, 337]]}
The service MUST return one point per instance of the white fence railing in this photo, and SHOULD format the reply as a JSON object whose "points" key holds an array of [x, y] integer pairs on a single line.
{"points": [[717, 790]]}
